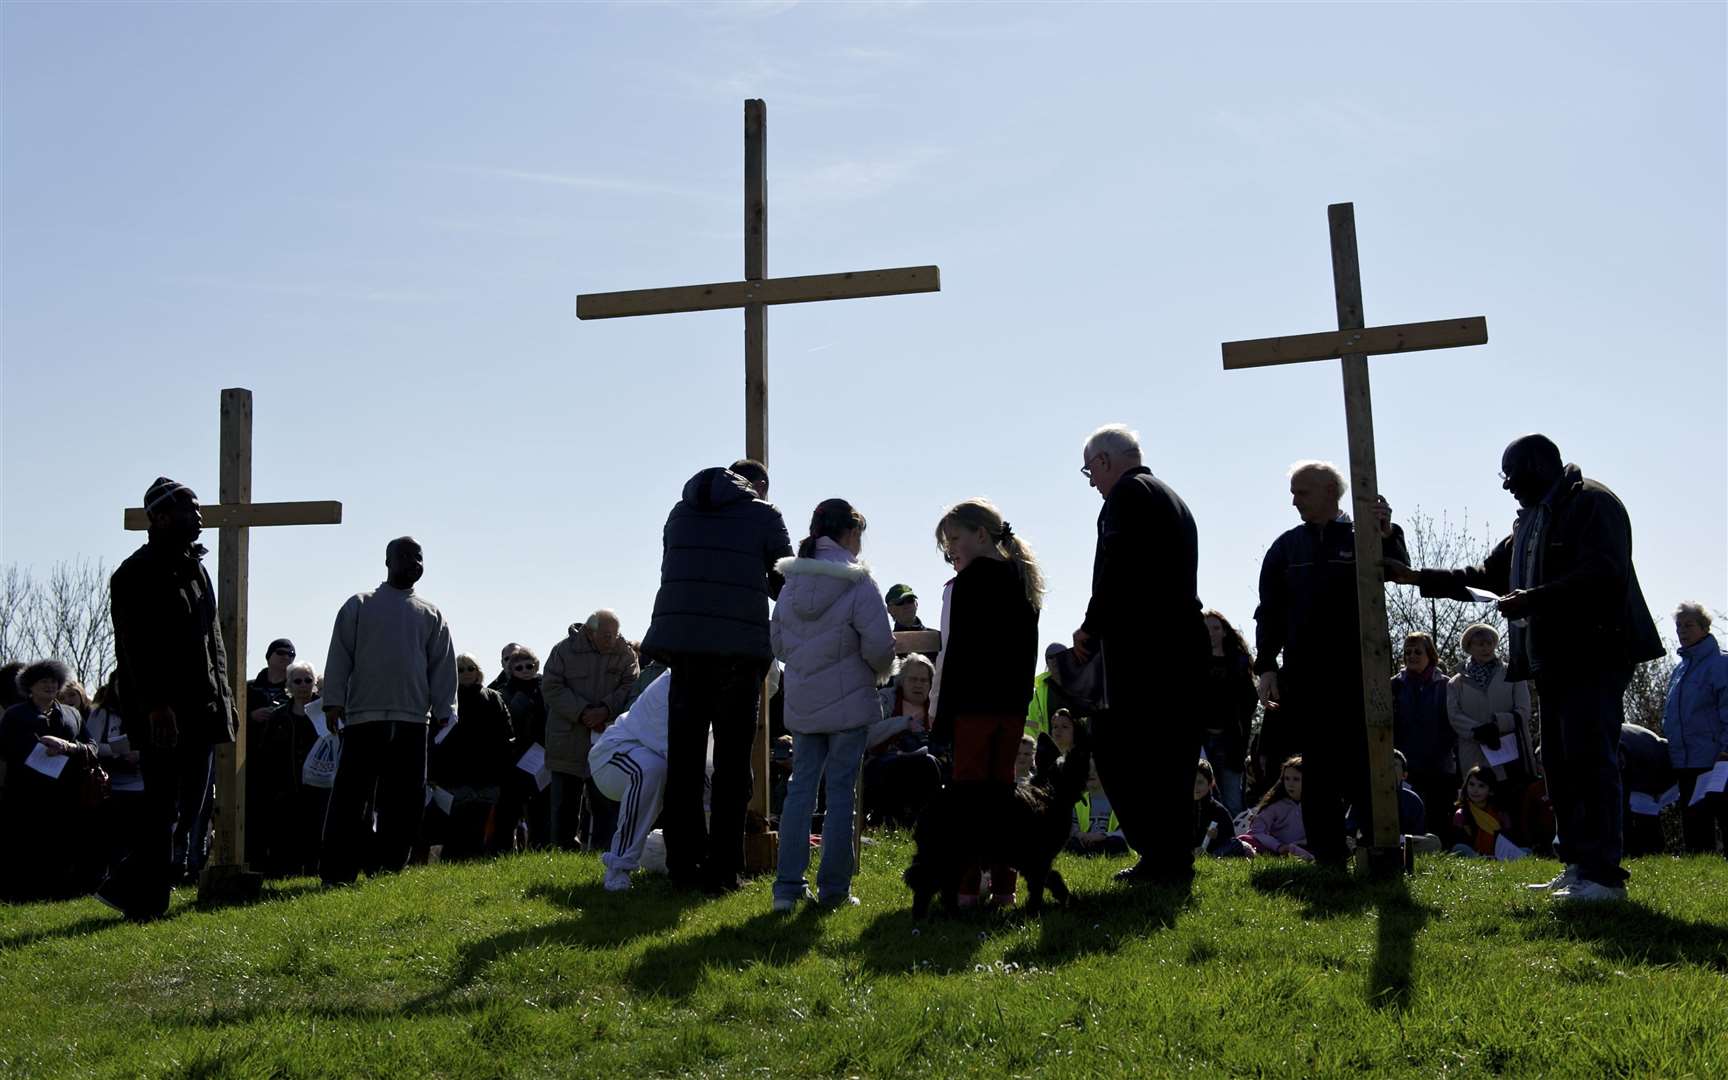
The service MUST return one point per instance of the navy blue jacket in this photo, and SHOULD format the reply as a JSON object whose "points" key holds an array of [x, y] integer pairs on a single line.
{"points": [[720, 546], [1421, 726], [1308, 600]]}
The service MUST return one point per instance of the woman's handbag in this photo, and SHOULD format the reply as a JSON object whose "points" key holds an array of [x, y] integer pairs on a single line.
{"points": [[1081, 681]]}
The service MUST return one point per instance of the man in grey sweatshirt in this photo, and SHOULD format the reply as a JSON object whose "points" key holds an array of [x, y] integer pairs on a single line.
{"points": [[391, 667]]}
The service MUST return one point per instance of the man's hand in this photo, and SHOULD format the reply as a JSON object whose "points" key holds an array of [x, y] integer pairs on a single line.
{"points": [[1083, 645], [594, 718], [1397, 573], [1487, 734], [1383, 514], [164, 726], [53, 745], [1516, 604], [261, 715], [1268, 688], [1300, 852], [333, 717]]}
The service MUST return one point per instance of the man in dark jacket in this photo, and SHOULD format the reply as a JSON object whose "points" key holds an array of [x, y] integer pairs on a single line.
{"points": [[1579, 625], [174, 674], [1145, 617], [1308, 613], [711, 620]]}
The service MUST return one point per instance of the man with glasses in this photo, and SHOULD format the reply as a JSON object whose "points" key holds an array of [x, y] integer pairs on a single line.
{"points": [[1144, 624], [270, 688], [1578, 626], [391, 669]]}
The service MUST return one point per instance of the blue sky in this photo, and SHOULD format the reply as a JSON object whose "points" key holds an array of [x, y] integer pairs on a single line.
{"points": [[378, 218]]}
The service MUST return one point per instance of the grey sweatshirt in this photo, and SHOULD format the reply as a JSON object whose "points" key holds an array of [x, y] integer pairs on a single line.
{"points": [[390, 659]]}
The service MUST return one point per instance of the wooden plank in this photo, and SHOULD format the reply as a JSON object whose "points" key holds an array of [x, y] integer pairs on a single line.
{"points": [[1370, 341], [234, 481], [1374, 645], [756, 391], [253, 515], [853, 285]]}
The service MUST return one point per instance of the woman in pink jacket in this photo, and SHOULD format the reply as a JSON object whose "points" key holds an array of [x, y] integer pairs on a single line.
{"points": [[831, 628]]}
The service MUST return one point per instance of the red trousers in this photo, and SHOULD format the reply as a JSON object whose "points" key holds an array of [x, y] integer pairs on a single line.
{"points": [[985, 746]]}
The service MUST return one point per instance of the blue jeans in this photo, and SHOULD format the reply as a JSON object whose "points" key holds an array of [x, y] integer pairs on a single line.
{"points": [[836, 757]]}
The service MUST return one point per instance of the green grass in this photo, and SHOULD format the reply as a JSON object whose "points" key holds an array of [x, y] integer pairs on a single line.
{"points": [[525, 967]]}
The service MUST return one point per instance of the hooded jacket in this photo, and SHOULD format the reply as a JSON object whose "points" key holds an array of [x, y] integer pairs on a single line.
{"points": [[1695, 719], [720, 546], [832, 629], [579, 675], [1587, 611]]}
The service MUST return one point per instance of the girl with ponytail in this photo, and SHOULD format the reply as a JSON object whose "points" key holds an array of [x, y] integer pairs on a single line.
{"points": [[831, 628], [989, 659]]}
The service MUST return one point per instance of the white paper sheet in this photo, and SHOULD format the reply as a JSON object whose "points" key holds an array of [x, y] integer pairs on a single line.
{"points": [[1713, 782], [533, 762], [1651, 805], [1481, 596], [120, 745], [39, 760], [444, 732], [1505, 755], [443, 798], [1505, 850]]}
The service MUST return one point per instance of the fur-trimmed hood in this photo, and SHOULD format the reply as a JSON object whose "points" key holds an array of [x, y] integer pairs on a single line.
{"points": [[831, 628]]}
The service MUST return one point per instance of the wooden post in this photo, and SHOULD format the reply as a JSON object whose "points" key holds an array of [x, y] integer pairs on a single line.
{"points": [[1384, 855], [225, 875], [1352, 344]]}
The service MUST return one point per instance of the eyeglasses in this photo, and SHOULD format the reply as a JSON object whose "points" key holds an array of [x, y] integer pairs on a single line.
{"points": [[1086, 469], [301, 682], [289, 653], [527, 665]]}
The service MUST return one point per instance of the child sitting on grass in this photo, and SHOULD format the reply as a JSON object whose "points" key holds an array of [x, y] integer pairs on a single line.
{"points": [[1096, 831], [1214, 833], [1477, 822], [1062, 730], [1277, 827], [1024, 761]]}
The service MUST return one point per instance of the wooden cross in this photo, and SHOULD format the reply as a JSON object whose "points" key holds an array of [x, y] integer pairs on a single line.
{"points": [[754, 294], [225, 875], [1352, 343]]}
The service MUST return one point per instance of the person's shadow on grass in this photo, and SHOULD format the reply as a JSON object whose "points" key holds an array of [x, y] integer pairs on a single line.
{"points": [[1330, 894], [676, 969], [1632, 932], [108, 919]]}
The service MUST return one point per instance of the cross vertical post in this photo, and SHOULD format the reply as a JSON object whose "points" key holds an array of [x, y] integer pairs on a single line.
{"points": [[1352, 344], [756, 373]]}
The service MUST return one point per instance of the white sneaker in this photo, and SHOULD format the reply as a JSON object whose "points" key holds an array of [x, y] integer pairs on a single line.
{"points": [[617, 881], [1589, 892], [1564, 880], [783, 905]]}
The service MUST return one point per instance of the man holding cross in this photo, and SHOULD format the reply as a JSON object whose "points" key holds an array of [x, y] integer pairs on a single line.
{"points": [[173, 671], [1308, 612]]}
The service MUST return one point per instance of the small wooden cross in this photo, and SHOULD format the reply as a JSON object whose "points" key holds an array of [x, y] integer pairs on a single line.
{"points": [[226, 877], [1352, 343], [754, 294]]}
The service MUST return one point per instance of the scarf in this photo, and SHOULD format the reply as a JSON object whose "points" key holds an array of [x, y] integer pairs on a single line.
{"points": [[1479, 674], [1487, 827]]}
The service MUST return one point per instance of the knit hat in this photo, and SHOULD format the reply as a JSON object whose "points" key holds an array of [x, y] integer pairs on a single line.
{"points": [[282, 643], [164, 490]]}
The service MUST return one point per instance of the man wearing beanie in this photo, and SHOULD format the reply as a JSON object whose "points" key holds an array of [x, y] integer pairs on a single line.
{"points": [[391, 667], [173, 673]]}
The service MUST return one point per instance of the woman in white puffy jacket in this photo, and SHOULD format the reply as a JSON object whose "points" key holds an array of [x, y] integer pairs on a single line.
{"points": [[832, 630]]}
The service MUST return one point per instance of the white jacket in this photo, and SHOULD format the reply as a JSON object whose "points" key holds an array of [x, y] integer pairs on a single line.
{"points": [[644, 725], [832, 630]]}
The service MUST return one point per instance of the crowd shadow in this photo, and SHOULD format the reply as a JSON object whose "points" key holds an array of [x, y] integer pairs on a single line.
{"points": [[675, 969], [1330, 894], [108, 919], [1632, 932]]}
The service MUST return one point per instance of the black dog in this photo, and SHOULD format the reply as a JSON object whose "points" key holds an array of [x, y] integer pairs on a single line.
{"points": [[1024, 827]]}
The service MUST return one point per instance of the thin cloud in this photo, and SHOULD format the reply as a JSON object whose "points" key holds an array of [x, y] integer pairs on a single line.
{"points": [[306, 290], [585, 181]]}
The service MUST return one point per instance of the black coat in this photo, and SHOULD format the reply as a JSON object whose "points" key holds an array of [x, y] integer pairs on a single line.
{"points": [[717, 572], [1587, 611], [991, 655], [481, 750], [1308, 602], [167, 645], [525, 704], [1228, 702], [1145, 606]]}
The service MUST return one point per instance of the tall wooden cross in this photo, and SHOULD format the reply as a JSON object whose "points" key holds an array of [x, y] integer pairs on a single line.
{"points": [[1352, 343], [226, 876], [754, 294]]}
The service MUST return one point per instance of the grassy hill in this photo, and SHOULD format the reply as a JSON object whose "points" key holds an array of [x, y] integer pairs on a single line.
{"points": [[525, 967]]}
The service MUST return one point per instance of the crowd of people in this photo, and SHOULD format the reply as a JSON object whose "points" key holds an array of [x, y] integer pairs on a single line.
{"points": [[1201, 745]]}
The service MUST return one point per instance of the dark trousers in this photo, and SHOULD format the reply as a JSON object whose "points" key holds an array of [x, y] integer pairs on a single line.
{"points": [[897, 786], [1324, 716], [195, 800], [583, 818], [383, 771], [176, 780], [1146, 747], [1698, 823], [1581, 715], [1439, 793], [722, 691]]}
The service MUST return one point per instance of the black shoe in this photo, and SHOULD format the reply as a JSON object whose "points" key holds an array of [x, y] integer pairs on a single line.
{"points": [[720, 886], [1145, 873]]}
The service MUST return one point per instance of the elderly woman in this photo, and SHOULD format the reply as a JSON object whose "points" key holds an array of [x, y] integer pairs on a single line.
{"points": [[285, 817], [106, 729], [1490, 714], [1695, 720], [44, 821], [472, 761], [1420, 728], [900, 776], [523, 692]]}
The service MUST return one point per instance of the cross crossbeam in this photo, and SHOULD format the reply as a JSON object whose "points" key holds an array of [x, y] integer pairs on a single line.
{"points": [[853, 285], [1370, 341]]}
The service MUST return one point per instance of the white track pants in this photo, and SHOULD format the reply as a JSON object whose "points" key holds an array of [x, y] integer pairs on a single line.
{"points": [[636, 778]]}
